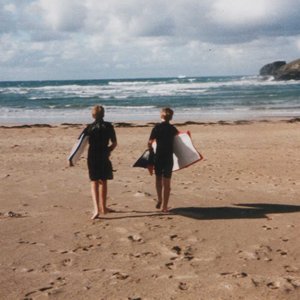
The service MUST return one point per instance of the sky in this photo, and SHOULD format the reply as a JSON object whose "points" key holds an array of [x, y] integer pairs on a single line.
{"points": [[98, 39]]}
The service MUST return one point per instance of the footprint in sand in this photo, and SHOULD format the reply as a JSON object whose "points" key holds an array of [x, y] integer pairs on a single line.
{"points": [[60, 251], [256, 282], [295, 282], [284, 239], [262, 252], [173, 237], [182, 286], [142, 194], [281, 252], [265, 227], [143, 254], [67, 262], [11, 214], [259, 281], [51, 289], [93, 237], [240, 275], [47, 267], [291, 226], [26, 270], [283, 283], [23, 242], [274, 285], [85, 248], [188, 253], [170, 265], [120, 276], [77, 233], [235, 274], [94, 270], [136, 238], [177, 250], [43, 289], [291, 269]]}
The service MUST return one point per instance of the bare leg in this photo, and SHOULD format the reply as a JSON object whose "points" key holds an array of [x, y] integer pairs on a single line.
{"points": [[158, 184], [103, 196], [167, 189], [95, 197]]}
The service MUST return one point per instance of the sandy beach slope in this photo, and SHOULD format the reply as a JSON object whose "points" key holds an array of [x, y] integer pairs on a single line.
{"points": [[233, 232]]}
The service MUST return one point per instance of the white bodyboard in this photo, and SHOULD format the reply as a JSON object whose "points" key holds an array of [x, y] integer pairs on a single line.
{"points": [[78, 149], [184, 152]]}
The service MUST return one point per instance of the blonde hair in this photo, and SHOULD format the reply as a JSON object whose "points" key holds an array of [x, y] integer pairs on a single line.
{"points": [[166, 113], [98, 112]]}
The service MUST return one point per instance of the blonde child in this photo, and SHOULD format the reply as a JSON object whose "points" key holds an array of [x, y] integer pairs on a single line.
{"points": [[102, 141], [164, 134]]}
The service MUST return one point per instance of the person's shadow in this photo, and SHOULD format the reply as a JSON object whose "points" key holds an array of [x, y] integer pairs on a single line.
{"points": [[239, 211]]}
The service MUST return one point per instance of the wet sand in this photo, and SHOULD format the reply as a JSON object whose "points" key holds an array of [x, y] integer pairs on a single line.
{"points": [[233, 230]]}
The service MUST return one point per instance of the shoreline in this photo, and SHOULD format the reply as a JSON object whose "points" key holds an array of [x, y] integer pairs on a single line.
{"points": [[149, 124]]}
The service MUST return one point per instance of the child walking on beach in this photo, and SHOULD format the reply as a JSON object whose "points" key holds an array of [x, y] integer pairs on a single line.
{"points": [[164, 134], [102, 141]]}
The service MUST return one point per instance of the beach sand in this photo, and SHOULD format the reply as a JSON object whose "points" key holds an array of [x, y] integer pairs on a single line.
{"points": [[233, 231]]}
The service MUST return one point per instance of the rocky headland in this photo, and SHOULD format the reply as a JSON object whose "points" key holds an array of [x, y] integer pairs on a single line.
{"points": [[282, 70]]}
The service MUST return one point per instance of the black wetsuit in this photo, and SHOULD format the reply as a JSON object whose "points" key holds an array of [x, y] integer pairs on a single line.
{"points": [[164, 134], [99, 165]]}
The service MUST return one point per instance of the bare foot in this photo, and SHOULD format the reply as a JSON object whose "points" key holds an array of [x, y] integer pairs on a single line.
{"points": [[165, 211], [107, 210], [158, 205], [95, 216]]}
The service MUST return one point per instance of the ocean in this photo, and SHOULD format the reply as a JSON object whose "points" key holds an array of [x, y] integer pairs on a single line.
{"points": [[192, 98]]}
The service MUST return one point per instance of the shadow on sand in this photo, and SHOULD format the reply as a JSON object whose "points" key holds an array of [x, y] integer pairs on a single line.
{"points": [[132, 214], [240, 211]]}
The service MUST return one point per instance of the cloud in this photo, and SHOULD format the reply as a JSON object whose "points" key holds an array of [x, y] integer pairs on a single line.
{"points": [[7, 13], [60, 15], [234, 13], [115, 38], [249, 20], [64, 15]]}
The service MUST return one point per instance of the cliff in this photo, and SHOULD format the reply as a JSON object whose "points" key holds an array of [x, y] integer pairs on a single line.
{"points": [[281, 70]]}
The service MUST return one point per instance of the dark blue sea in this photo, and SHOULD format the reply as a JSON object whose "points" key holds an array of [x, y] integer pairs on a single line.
{"points": [[192, 98]]}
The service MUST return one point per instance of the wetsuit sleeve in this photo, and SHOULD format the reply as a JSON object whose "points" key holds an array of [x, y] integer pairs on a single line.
{"points": [[113, 136], [85, 131], [153, 134], [175, 131]]}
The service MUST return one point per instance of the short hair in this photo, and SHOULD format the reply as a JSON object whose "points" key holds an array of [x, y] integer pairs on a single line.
{"points": [[98, 112], [166, 113]]}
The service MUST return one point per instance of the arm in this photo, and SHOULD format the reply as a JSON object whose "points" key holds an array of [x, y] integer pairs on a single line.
{"points": [[152, 139], [113, 139], [150, 145], [113, 146]]}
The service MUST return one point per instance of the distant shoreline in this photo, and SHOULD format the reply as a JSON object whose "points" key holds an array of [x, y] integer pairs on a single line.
{"points": [[149, 124]]}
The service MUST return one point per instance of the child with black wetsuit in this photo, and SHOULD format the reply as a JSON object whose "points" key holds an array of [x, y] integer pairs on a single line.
{"points": [[102, 141], [164, 134]]}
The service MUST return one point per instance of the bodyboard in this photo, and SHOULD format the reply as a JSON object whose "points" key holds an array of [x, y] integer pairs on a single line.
{"points": [[146, 161], [184, 153], [78, 149]]}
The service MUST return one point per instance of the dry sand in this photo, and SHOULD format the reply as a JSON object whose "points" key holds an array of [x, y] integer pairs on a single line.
{"points": [[233, 232]]}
